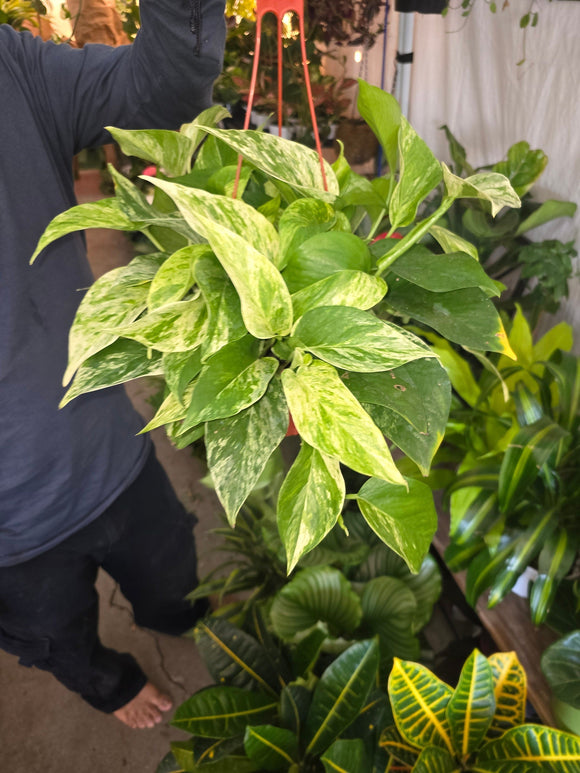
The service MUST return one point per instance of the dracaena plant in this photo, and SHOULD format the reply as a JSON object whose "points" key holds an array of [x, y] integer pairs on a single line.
{"points": [[515, 501], [268, 303], [279, 709], [478, 727]]}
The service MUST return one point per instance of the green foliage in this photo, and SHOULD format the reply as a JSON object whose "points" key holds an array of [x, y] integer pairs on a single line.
{"points": [[537, 272], [517, 436], [561, 667], [17, 13], [475, 727], [270, 713], [268, 303]]}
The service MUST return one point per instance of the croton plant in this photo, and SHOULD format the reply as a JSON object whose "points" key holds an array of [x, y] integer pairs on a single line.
{"points": [[280, 301]]}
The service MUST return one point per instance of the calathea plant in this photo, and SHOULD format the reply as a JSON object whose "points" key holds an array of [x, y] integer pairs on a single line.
{"points": [[268, 304], [478, 727]]}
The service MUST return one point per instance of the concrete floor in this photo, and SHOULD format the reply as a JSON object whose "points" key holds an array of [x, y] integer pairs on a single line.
{"points": [[44, 728]]}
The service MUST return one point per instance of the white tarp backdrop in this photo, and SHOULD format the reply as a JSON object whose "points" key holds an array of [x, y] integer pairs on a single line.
{"points": [[465, 75]]}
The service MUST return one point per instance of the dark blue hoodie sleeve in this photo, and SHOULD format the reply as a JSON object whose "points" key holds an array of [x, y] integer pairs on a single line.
{"points": [[163, 79]]}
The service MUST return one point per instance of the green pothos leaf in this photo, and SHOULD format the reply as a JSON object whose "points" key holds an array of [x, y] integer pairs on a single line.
{"points": [[238, 447], [330, 419], [309, 503]]}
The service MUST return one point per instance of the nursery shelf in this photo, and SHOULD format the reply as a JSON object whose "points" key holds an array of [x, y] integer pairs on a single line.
{"points": [[511, 628]]}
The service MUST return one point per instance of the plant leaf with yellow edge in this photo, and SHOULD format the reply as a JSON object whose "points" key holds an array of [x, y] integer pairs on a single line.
{"points": [[419, 701], [472, 706], [510, 689], [530, 748]]}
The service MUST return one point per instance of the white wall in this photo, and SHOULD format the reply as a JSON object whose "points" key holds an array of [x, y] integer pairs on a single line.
{"points": [[466, 75]]}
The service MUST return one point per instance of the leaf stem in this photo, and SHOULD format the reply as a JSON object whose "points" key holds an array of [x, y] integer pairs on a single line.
{"points": [[413, 236]]}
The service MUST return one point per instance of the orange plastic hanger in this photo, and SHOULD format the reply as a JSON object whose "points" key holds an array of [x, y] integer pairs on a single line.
{"points": [[279, 8]]}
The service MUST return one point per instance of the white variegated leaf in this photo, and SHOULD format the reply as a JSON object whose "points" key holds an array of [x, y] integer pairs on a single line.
{"points": [[175, 327], [345, 288], [491, 187], [290, 162], [120, 362], [330, 419]]}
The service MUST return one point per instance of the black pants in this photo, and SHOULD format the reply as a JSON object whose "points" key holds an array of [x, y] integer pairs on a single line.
{"points": [[49, 605]]}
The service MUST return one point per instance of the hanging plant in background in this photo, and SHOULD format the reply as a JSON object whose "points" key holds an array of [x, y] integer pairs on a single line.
{"points": [[19, 13], [271, 304]]}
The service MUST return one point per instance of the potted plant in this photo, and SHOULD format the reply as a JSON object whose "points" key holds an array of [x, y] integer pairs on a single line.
{"points": [[478, 727], [515, 499], [279, 709], [537, 271], [272, 303]]}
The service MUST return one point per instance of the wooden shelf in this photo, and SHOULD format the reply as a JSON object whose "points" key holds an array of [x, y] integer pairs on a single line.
{"points": [[511, 628]]}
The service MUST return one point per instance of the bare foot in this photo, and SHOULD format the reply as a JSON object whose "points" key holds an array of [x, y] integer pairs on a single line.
{"points": [[145, 708]]}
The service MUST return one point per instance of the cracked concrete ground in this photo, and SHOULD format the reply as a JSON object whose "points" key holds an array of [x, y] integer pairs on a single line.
{"points": [[44, 728]]}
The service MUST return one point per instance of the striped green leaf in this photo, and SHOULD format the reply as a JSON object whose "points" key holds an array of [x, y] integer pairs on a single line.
{"points": [[419, 701], [356, 340], [389, 609], [531, 748], [480, 513], [309, 503], [528, 407], [319, 594], [405, 520], [485, 567], [555, 561], [289, 162], [330, 419], [223, 712], [525, 550], [510, 691], [419, 173], [233, 657], [436, 760], [492, 188], [565, 369], [402, 751], [471, 708], [238, 447], [118, 363], [528, 451], [172, 409], [340, 694], [270, 748], [345, 756]]}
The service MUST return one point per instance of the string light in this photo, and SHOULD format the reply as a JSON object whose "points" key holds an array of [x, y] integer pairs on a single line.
{"points": [[358, 56]]}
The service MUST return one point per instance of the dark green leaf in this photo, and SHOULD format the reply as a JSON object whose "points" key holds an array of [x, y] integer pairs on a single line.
{"points": [[223, 712], [271, 748], [340, 695], [345, 756]]}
